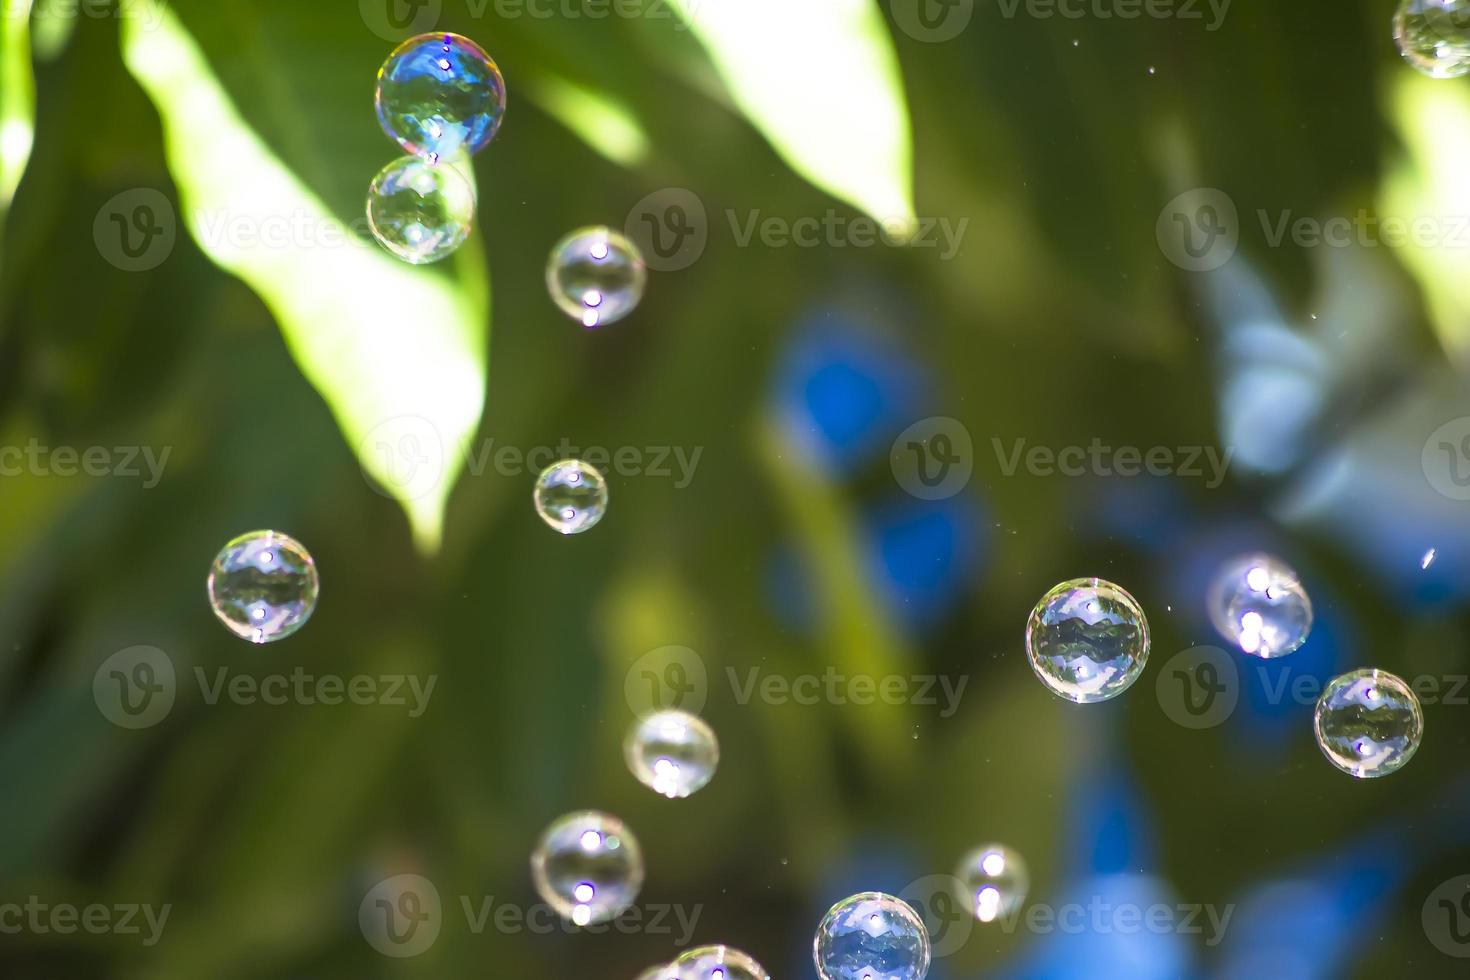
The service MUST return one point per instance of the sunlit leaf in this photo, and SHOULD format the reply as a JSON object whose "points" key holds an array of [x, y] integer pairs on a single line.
{"points": [[17, 97], [1433, 118], [821, 80], [398, 352], [600, 122]]}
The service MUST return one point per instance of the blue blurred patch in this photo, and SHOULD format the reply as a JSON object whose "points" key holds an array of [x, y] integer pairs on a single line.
{"points": [[843, 390]]}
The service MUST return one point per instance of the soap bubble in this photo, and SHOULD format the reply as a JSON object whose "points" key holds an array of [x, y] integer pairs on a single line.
{"points": [[718, 963], [1087, 640], [872, 936], [1258, 603], [1368, 723], [588, 867], [263, 586], [421, 212], [1434, 36], [571, 496], [596, 276], [673, 753], [993, 882], [440, 94]]}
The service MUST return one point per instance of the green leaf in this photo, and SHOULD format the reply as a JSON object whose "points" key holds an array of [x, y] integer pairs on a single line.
{"points": [[820, 79], [398, 352], [17, 97], [1433, 118]]}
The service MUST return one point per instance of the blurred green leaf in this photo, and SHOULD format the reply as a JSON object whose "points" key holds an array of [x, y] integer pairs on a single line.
{"points": [[396, 351], [17, 97], [820, 79], [1433, 118]]}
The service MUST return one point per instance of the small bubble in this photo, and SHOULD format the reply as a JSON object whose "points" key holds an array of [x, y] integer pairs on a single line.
{"points": [[673, 753], [1434, 36], [1087, 640], [718, 963], [993, 882], [440, 95], [871, 936], [263, 586], [420, 211], [588, 867], [571, 496], [1369, 723], [596, 276], [1257, 602]]}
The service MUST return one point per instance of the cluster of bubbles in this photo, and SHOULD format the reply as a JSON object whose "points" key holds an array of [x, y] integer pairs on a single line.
{"points": [[1434, 36], [441, 98], [263, 586], [1088, 641]]}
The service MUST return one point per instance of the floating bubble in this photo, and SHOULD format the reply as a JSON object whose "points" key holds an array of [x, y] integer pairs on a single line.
{"points": [[1369, 723], [1258, 603], [263, 586], [588, 867], [872, 936], [1434, 36], [420, 211], [993, 882], [571, 496], [718, 963], [673, 753], [1087, 640], [440, 94], [596, 276]]}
